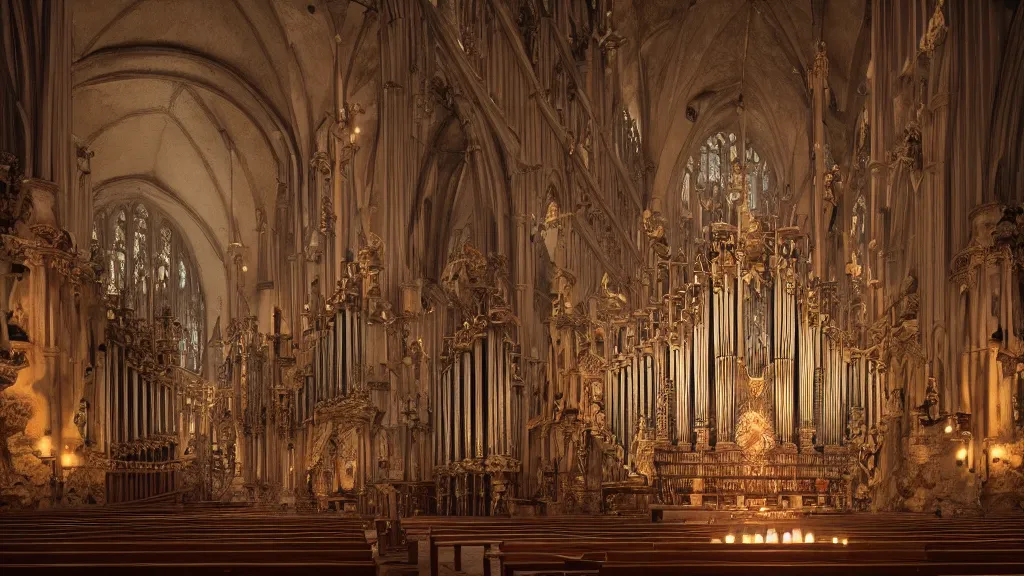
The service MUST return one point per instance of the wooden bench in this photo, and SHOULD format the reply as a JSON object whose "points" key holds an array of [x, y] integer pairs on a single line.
{"points": [[894, 543], [175, 540]]}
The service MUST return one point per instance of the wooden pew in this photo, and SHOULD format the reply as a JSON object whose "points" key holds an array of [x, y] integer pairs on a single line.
{"points": [[172, 540]]}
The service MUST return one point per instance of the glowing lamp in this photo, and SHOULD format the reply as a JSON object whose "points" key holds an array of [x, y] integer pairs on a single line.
{"points": [[772, 537], [747, 539], [45, 447], [961, 455], [845, 541], [758, 539], [245, 268], [730, 539], [998, 453], [798, 536], [948, 429], [809, 538], [835, 540], [787, 538], [68, 460]]}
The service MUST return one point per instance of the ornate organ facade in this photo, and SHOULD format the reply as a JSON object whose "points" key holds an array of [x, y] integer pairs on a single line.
{"points": [[479, 257]]}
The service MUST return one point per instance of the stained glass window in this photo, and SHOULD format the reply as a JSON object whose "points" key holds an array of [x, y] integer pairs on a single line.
{"points": [[150, 264], [711, 177]]}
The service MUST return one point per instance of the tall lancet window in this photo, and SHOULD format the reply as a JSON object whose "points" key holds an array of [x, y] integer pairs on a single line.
{"points": [[149, 263], [712, 177]]}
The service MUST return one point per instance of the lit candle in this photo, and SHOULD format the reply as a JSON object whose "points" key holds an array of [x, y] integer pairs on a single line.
{"points": [[809, 538], [835, 540], [772, 537], [961, 454], [845, 541], [948, 429], [67, 460], [758, 539], [798, 535], [787, 538], [747, 539], [730, 539], [45, 447]]}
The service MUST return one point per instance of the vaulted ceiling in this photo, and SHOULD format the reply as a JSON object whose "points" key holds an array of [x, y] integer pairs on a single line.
{"points": [[164, 88], [705, 53], [202, 106]]}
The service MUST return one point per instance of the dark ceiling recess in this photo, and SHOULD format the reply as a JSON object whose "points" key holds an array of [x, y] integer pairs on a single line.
{"points": [[311, 9], [691, 113]]}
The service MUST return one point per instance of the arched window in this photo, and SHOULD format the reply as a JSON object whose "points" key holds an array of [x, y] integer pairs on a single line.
{"points": [[710, 177], [150, 264]]}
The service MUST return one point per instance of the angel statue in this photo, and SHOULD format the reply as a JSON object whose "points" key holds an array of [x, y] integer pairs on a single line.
{"points": [[614, 300]]}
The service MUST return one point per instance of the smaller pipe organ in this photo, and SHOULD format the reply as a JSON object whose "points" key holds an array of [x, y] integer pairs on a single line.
{"points": [[141, 433], [479, 406]]}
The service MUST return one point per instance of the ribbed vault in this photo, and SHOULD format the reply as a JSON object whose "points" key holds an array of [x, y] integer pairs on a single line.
{"points": [[203, 107], [702, 54]]}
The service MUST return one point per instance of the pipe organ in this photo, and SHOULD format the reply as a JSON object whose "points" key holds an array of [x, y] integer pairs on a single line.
{"points": [[474, 398], [141, 432], [337, 344], [759, 393], [478, 398]]}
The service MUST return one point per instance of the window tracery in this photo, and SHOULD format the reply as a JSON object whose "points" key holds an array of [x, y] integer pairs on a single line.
{"points": [[150, 265], [709, 179]]}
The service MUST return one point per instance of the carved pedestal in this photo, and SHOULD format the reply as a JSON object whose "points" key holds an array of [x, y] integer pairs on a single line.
{"points": [[806, 439], [703, 438]]}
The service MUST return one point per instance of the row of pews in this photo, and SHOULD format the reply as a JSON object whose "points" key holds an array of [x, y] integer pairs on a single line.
{"points": [[218, 539], [193, 541], [877, 544]]}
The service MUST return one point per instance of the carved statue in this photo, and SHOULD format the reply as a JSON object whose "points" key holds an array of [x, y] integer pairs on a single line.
{"points": [[858, 428], [1015, 402], [832, 177], [82, 419], [737, 185], [931, 401], [611, 301], [316, 300], [654, 227], [559, 407], [853, 268], [936, 33]]}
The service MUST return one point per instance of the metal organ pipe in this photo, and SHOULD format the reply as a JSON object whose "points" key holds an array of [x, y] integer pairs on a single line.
{"points": [[680, 360], [785, 340], [725, 360], [701, 378]]}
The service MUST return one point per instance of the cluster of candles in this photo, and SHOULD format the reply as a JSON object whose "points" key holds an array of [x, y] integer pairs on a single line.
{"points": [[772, 537]]}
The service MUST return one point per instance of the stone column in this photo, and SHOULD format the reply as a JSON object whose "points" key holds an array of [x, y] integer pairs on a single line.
{"points": [[819, 89]]}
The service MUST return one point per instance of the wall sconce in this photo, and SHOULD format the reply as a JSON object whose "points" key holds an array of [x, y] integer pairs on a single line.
{"points": [[961, 456], [997, 453], [352, 136]]}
